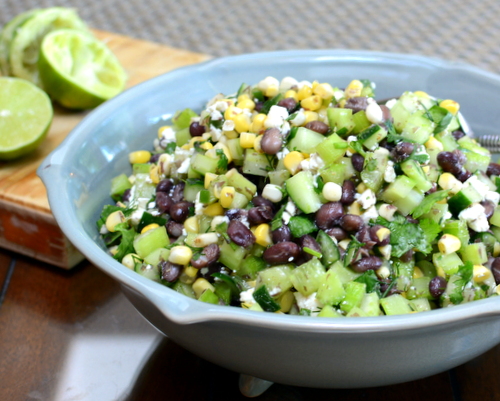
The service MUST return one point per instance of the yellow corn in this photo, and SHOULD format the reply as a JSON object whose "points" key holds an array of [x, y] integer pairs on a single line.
{"points": [[190, 271], [215, 209], [114, 219], [440, 272], [361, 188], [191, 225], [209, 177], [417, 273], [242, 123], [313, 103], [154, 174], [421, 94], [139, 156], [449, 243], [205, 239], [247, 140], [304, 92], [227, 196], [480, 273], [354, 208], [263, 235], [258, 123], [324, 90], [450, 105], [271, 91], [161, 129], [180, 255], [187, 146], [225, 149], [292, 161], [286, 301], [310, 116], [448, 181], [291, 93], [130, 259], [149, 227], [201, 285], [246, 104], [231, 112], [433, 144], [206, 145], [354, 89]]}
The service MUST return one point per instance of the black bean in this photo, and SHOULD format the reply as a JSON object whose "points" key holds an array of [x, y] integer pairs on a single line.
{"points": [[240, 234], [170, 271], [457, 134], [163, 202], [237, 214], [461, 158], [174, 229], [411, 220], [307, 241], [489, 208], [318, 126], [402, 151], [348, 192], [437, 286], [407, 256], [126, 195], [358, 162], [464, 175], [449, 162], [493, 169], [208, 255], [364, 236], [259, 215], [433, 189], [272, 141], [154, 158], [338, 233], [164, 185], [495, 269], [261, 201], [329, 214], [356, 103], [351, 222], [282, 252], [385, 285], [386, 112], [258, 106], [196, 129], [367, 263], [380, 237], [288, 103], [178, 192], [180, 211], [281, 234]]}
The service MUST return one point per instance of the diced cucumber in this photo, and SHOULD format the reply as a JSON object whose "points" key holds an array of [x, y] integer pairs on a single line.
{"points": [[149, 271], [209, 297], [474, 253], [345, 274], [398, 189], [182, 119], [450, 263], [276, 278], [329, 249], [395, 304], [419, 288], [242, 184], [256, 163], [354, 293], [329, 311], [339, 118], [332, 148], [448, 140], [413, 170], [307, 277], [231, 255], [144, 188], [151, 240], [203, 164], [420, 304], [464, 198], [437, 213], [339, 172], [331, 290], [141, 168], [157, 256], [301, 225], [407, 205], [182, 137], [301, 189], [360, 122], [495, 218], [305, 140], [251, 266], [184, 288], [192, 188], [235, 150], [476, 161], [370, 304], [374, 170], [119, 185], [418, 128], [278, 177], [459, 229]]}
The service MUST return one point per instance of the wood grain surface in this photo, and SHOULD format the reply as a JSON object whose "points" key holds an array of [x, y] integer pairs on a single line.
{"points": [[26, 222]]}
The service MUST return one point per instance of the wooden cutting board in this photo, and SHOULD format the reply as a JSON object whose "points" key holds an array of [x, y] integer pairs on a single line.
{"points": [[27, 225]]}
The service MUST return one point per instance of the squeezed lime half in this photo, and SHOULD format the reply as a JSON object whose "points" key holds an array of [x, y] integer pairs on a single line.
{"points": [[28, 33], [79, 71], [25, 117]]}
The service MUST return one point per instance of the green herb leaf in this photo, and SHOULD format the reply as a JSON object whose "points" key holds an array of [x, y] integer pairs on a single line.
{"points": [[270, 103], [440, 116], [170, 148], [430, 230], [465, 273], [370, 279], [148, 218], [301, 225], [358, 147], [426, 205], [126, 245], [223, 161], [342, 131], [277, 220], [217, 123], [312, 252]]}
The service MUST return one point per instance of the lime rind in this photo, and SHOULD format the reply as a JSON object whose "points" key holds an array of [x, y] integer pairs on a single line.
{"points": [[78, 70], [25, 45], [25, 116], [6, 36]]}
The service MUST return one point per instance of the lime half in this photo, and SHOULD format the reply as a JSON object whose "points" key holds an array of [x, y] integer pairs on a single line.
{"points": [[6, 36], [25, 117], [78, 70], [28, 35]]}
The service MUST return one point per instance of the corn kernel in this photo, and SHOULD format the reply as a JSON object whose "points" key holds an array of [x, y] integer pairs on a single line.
{"points": [[448, 181], [257, 144], [433, 144], [421, 94], [243, 96], [354, 208], [382, 233], [385, 250], [215, 209], [139, 156], [497, 289], [209, 177], [344, 243], [206, 146], [114, 219], [480, 273], [450, 105], [130, 259], [324, 90], [292, 161], [242, 123], [187, 146], [272, 90], [164, 164], [417, 273], [201, 285], [332, 191], [361, 188], [231, 112], [149, 227], [291, 94], [383, 271], [161, 129], [310, 116], [180, 255], [258, 123], [205, 239], [354, 89], [227, 196], [304, 92], [247, 140], [440, 272], [246, 104], [263, 235], [113, 250], [191, 271], [191, 225], [286, 301], [449, 243], [313, 103], [154, 174], [273, 193]]}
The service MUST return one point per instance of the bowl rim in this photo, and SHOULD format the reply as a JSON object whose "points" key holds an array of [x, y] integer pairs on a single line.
{"points": [[184, 310]]}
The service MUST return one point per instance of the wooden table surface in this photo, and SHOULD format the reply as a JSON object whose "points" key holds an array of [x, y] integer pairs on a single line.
{"points": [[72, 335]]}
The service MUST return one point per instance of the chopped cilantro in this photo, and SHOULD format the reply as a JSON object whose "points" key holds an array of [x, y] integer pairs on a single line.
{"points": [[370, 279], [464, 276], [270, 103], [276, 222], [440, 116], [426, 205], [170, 148], [148, 218], [126, 245], [223, 161]]}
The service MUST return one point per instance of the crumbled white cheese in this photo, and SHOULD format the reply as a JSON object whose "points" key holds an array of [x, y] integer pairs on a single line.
{"points": [[387, 211], [184, 167], [366, 199], [246, 297], [390, 103], [492, 196], [290, 210], [167, 135], [299, 119], [475, 217], [474, 182], [371, 213], [281, 155], [136, 216], [390, 173], [312, 164], [288, 83], [276, 117], [267, 83], [308, 302], [338, 95], [228, 125], [198, 206]]}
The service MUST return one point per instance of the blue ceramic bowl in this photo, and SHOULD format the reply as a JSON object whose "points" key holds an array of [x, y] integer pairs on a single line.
{"points": [[296, 350]]}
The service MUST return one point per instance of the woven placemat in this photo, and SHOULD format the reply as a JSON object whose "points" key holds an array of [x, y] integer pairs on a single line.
{"points": [[453, 30]]}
